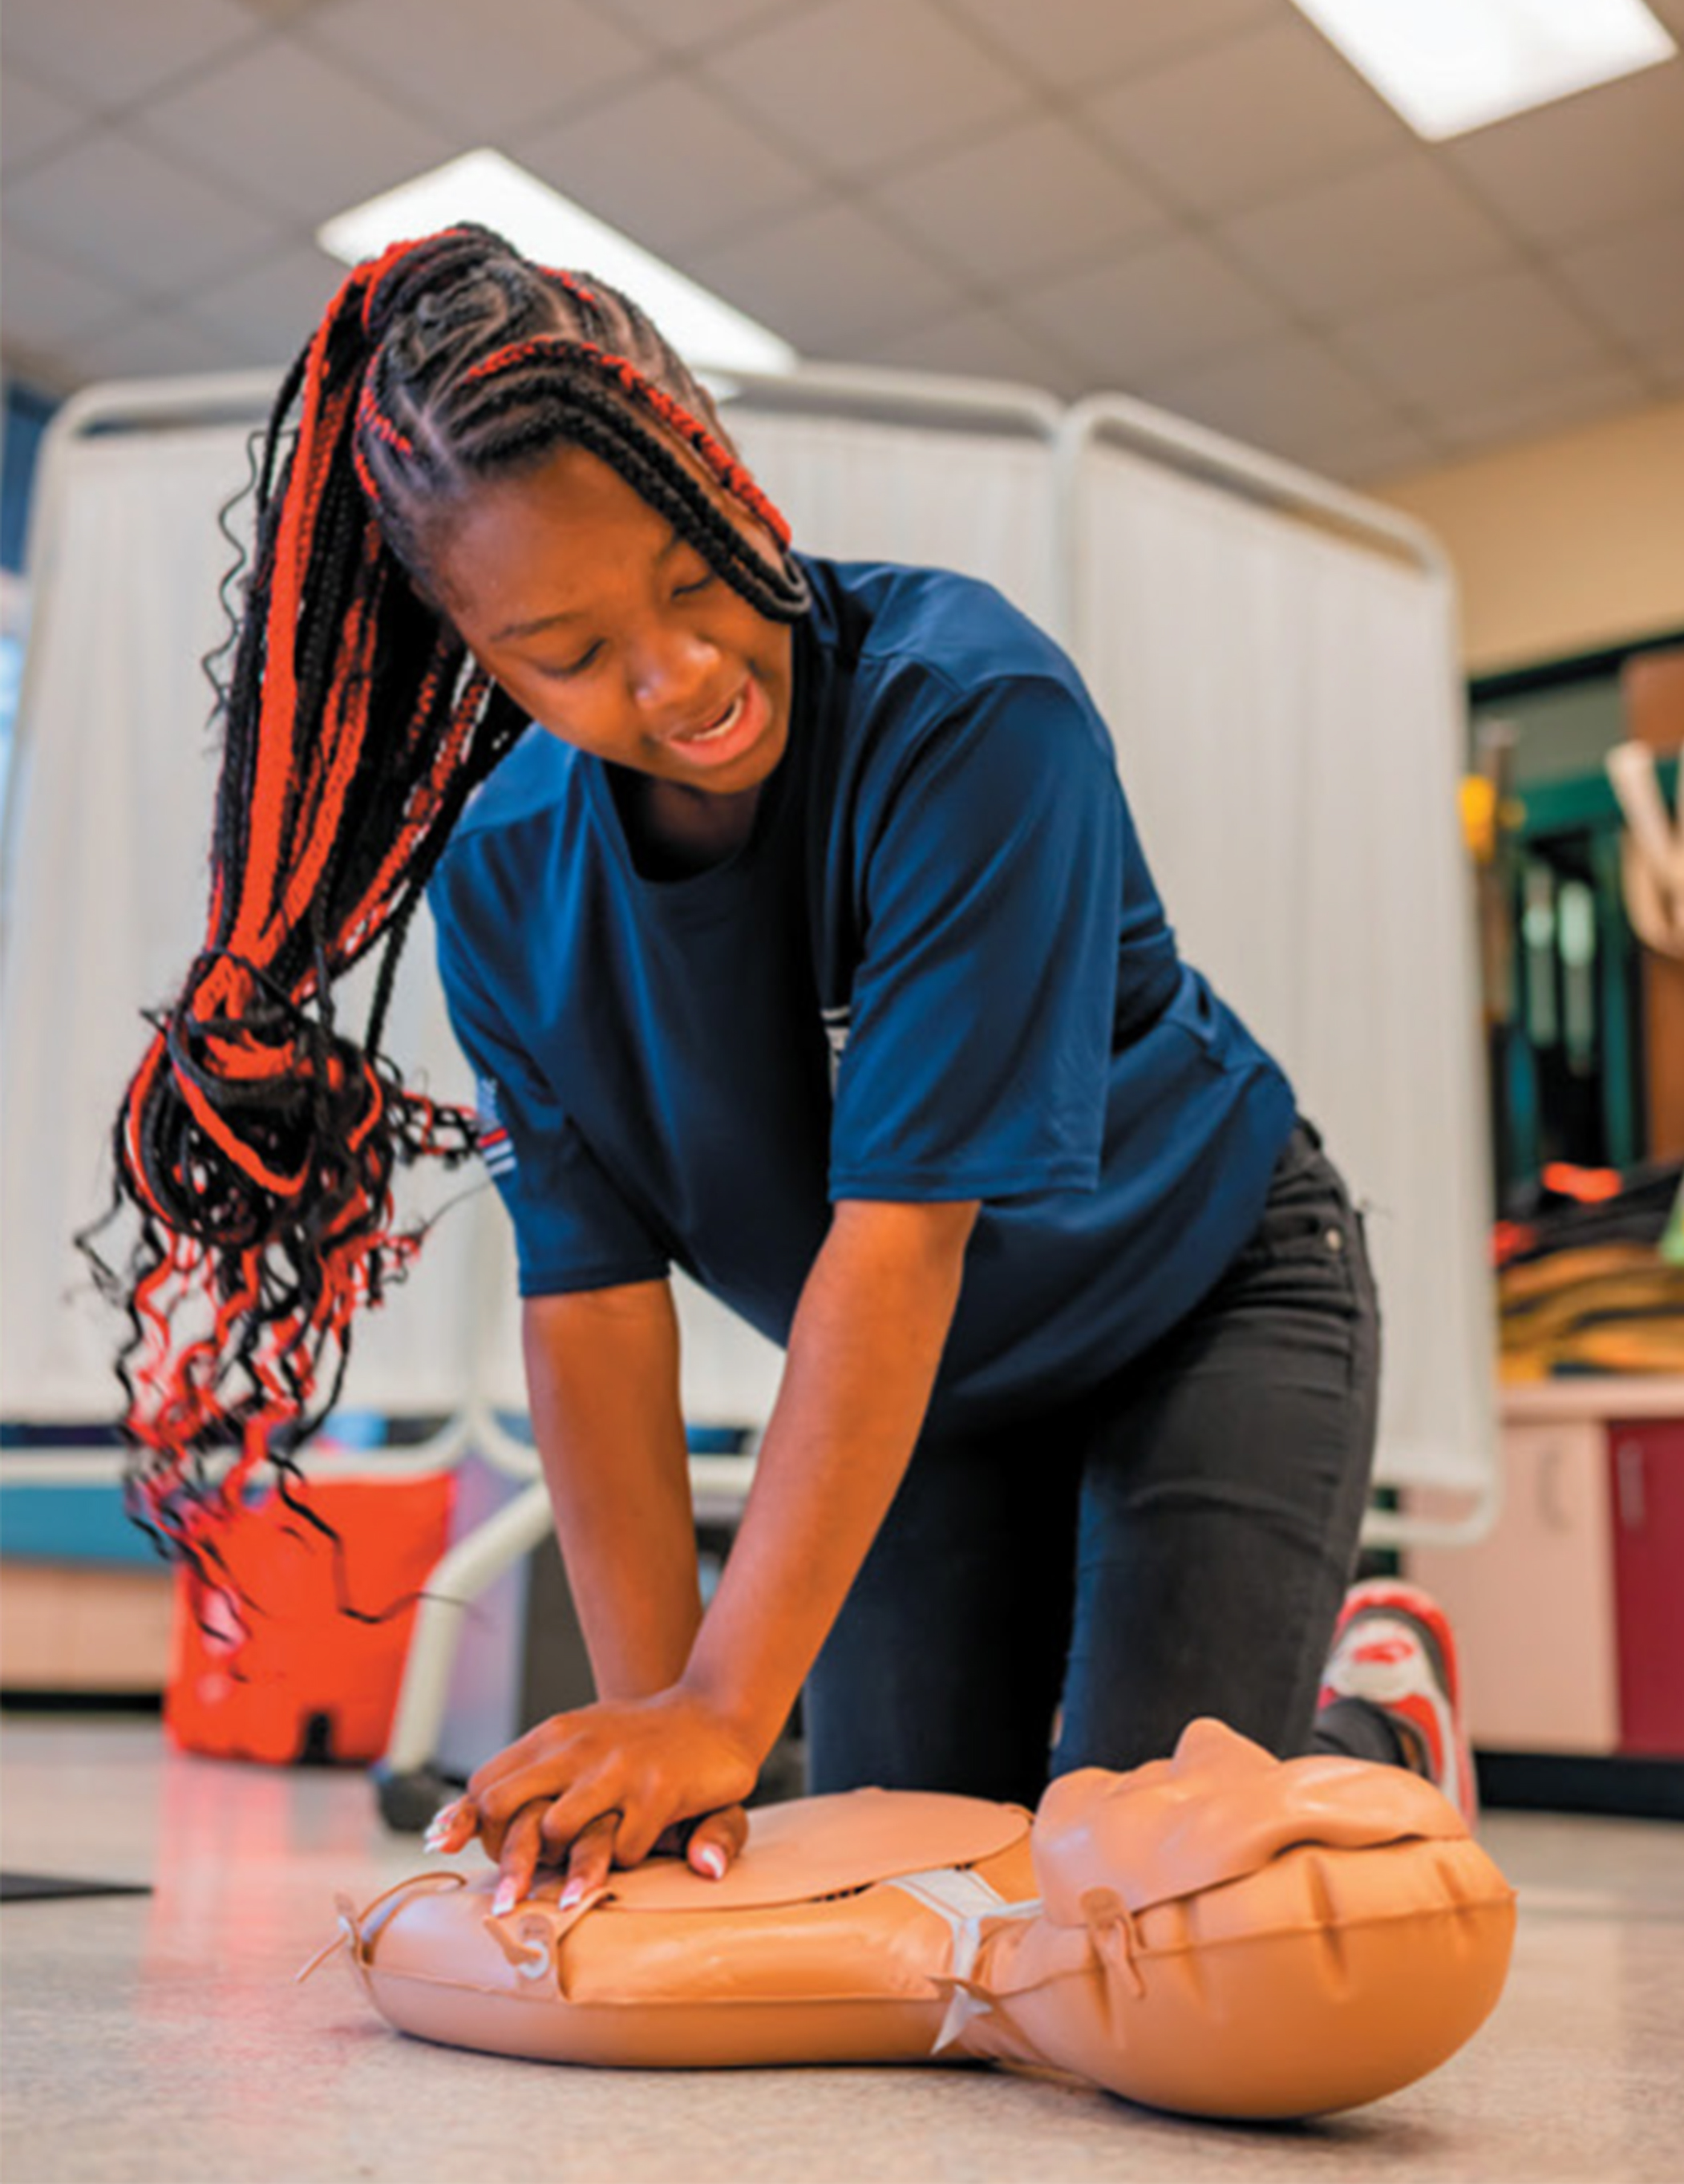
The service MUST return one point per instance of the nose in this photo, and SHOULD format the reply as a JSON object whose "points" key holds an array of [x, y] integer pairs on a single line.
{"points": [[671, 669]]}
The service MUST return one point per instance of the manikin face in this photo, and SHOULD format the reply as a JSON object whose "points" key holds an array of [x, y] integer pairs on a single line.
{"points": [[608, 628]]}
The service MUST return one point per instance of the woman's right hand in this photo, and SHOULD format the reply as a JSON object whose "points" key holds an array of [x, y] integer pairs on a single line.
{"points": [[709, 1846]]}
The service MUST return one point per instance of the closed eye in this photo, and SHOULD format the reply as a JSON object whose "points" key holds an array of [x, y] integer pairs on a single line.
{"points": [[699, 584], [575, 666]]}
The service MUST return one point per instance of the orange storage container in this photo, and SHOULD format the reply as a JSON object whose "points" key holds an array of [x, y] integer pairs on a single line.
{"points": [[301, 1656]]}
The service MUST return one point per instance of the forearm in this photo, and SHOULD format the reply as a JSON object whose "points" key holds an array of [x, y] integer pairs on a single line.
{"points": [[602, 1374], [864, 1349]]}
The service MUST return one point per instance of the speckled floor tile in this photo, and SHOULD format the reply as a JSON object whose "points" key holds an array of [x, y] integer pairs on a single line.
{"points": [[161, 2037]]}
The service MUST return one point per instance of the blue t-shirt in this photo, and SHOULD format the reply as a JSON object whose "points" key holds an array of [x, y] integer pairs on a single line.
{"points": [[936, 969]]}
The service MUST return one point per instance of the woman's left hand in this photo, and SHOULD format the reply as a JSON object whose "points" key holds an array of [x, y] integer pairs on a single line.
{"points": [[602, 1786]]}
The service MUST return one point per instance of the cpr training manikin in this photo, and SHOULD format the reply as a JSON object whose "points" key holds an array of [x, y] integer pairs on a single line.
{"points": [[1219, 1934]]}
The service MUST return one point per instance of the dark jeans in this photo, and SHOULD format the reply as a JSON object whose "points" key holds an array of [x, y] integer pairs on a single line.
{"points": [[1177, 1543]]}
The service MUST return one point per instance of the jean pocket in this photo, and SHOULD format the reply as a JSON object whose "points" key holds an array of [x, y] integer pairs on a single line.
{"points": [[1303, 1249]]}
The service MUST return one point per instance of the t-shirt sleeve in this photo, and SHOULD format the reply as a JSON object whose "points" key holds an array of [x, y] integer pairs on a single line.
{"points": [[976, 1057], [574, 1229]]}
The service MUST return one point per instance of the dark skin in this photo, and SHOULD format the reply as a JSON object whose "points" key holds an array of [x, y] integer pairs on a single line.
{"points": [[614, 634]]}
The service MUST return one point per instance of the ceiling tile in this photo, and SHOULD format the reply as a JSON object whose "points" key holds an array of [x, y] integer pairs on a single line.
{"points": [[1074, 45], [289, 129], [160, 344], [1473, 342], [268, 312], [113, 206], [456, 66], [47, 303], [690, 25], [1550, 405], [1402, 228], [108, 52], [828, 278], [1293, 396], [1177, 303], [862, 84], [1034, 197], [1255, 117], [978, 345], [669, 164], [1366, 459], [34, 121], [1561, 173], [1620, 276]]}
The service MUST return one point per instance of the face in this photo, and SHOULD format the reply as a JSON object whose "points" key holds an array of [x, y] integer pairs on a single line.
{"points": [[610, 629]]}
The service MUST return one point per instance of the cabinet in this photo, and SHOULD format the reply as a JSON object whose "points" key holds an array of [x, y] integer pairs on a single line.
{"points": [[1646, 1480], [1569, 1617]]}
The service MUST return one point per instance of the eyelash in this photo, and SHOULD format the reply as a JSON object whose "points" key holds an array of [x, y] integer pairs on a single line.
{"points": [[578, 667]]}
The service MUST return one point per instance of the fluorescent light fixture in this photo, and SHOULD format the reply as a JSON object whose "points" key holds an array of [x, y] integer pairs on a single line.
{"points": [[544, 225], [1452, 66]]}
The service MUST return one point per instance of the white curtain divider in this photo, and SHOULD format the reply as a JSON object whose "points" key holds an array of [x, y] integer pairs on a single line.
{"points": [[1278, 661], [107, 891]]}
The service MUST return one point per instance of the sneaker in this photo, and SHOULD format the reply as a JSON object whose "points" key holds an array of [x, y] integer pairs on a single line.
{"points": [[1392, 1647]]}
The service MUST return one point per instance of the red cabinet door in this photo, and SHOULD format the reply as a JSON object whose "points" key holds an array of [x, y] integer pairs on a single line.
{"points": [[1646, 1481]]}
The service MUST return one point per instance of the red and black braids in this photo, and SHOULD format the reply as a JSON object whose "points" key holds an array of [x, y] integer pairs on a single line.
{"points": [[257, 1141]]}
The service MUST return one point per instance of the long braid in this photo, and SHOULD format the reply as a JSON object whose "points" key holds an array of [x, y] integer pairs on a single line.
{"points": [[257, 1143]]}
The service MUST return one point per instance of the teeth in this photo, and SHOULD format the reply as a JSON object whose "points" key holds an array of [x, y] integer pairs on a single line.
{"points": [[728, 721]]}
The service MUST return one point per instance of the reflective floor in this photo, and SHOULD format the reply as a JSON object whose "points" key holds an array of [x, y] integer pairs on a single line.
{"points": [[162, 2038]]}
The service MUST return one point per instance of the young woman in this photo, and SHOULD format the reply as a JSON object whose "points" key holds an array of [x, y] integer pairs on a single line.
{"points": [[799, 935]]}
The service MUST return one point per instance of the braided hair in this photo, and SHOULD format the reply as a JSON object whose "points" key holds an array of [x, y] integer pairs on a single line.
{"points": [[257, 1140]]}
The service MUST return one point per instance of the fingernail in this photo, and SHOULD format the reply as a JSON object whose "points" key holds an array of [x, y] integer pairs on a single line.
{"points": [[504, 1901], [711, 1861], [570, 1893]]}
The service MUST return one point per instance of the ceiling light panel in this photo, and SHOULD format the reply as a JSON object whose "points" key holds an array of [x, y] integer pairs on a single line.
{"points": [[1449, 66], [484, 187]]}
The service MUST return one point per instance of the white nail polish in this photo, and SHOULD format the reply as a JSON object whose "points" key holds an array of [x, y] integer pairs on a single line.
{"points": [[570, 1893], [711, 1861], [504, 1901]]}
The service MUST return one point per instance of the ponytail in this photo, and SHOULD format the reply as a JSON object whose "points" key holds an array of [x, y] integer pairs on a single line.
{"points": [[258, 1140]]}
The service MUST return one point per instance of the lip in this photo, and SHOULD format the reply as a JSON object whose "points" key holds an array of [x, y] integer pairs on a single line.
{"points": [[720, 746]]}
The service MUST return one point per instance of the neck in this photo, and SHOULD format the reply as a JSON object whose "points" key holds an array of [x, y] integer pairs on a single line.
{"points": [[676, 831]]}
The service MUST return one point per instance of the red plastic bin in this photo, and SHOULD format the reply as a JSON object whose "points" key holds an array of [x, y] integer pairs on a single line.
{"points": [[283, 1674]]}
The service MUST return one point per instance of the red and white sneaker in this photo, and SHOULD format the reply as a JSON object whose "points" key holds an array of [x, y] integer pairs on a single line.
{"points": [[1392, 1645]]}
